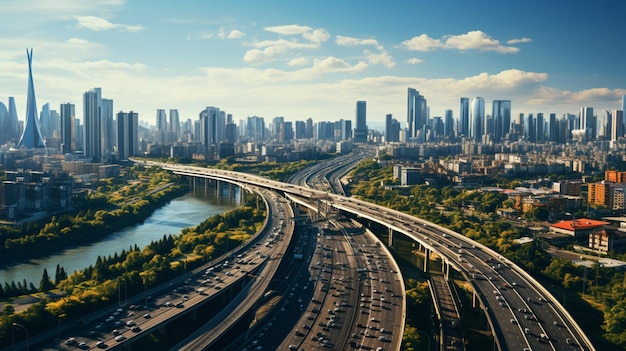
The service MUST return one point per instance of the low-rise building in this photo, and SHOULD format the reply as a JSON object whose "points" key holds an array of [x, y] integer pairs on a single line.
{"points": [[606, 240], [577, 227]]}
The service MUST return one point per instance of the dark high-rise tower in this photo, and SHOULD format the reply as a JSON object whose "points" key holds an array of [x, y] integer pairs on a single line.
{"points": [[464, 117], [68, 127], [501, 114], [92, 114], [477, 118], [417, 112], [360, 132], [127, 140], [31, 137]]}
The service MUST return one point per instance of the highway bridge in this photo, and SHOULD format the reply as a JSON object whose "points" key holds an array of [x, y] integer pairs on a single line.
{"points": [[522, 313]]}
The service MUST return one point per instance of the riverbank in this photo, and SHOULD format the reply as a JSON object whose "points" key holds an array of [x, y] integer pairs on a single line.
{"points": [[83, 227]]}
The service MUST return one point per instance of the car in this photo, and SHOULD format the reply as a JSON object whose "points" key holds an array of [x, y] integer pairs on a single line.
{"points": [[83, 345], [120, 338], [136, 329], [147, 316], [131, 323], [71, 341], [100, 344]]}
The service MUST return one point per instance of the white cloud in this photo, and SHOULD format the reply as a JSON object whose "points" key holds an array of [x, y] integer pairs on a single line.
{"points": [[100, 24], [414, 61], [518, 41], [300, 61], [235, 34], [342, 40], [260, 56], [473, 40], [317, 36], [477, 40], [291, 29], [334, 64], [78, 41], [284, 43], [382, 57], [422, 43], [270, 49]]}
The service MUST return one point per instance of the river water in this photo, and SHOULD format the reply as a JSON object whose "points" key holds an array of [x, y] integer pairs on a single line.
{"points": [[186, 211]]}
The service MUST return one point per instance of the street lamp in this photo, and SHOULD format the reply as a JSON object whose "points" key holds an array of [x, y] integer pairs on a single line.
{"points": [[25, 330]]}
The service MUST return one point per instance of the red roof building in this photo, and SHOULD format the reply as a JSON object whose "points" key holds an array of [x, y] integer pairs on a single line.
{"points": [[577, 227]]}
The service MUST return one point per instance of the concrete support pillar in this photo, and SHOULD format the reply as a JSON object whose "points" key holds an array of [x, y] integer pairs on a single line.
{"points": [[390, 238], [426, 259], [474, 299]]}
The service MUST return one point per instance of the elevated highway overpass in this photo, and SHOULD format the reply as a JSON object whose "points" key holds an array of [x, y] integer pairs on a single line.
{"points": [[522, 313]]}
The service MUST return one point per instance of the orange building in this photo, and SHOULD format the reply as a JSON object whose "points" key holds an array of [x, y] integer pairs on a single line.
{"points": [[597, 192], [615, 176]]}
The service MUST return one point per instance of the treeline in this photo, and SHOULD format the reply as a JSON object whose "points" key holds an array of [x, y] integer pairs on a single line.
{"points": [[100, 214], [136, 270], [23, 288], [595, 296]]}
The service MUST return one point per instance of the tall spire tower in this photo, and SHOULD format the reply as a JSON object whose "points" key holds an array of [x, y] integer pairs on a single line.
{"points": [[31, 138]]}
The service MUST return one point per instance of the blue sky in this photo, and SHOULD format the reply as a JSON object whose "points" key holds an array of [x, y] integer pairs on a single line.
{"points": [[315, 59]]}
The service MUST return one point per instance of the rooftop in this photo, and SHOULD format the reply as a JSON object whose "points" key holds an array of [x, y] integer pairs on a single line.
{"points": [[579, 224]]}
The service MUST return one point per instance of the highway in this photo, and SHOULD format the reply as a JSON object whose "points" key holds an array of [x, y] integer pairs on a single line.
{"points": [[261, 255], [208, 335], [505, 313]]}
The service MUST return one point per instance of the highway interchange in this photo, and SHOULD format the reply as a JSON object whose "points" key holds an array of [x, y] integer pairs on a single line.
{"points": [[509, 322], [345, 293]]}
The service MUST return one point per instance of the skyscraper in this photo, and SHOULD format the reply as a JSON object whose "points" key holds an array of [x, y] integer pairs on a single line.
{"points": [[161, 124], [553, 128], [14, 125], [417, 112], [448, 122], [4, 124], [213, 122], [309, 131], [587, 122], [617, 124], [624, 111], [127, 139], [360, 132], [477, 118], [44, 122], [108, 129], [68, 127], [92, 139], [31, 137], [501, 115], [255, 129], [390, 132], [540, 135], [345, 127], [174, 125], [464, 117], [300, 130]]}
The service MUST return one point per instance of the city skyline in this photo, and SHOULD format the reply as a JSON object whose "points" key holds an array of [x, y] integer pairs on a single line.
{"points": [[304, 61]]}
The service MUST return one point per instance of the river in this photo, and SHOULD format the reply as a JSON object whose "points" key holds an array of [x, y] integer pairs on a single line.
{"points": [[186, 211]]}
